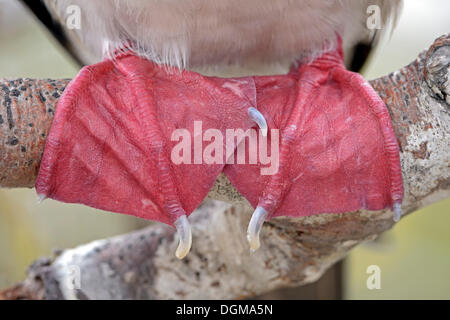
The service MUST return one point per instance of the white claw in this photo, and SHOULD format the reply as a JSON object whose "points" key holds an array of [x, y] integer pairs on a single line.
{"points": [[257, 116], [254, 227], [41, 197], [185, 235], [397, 211]]}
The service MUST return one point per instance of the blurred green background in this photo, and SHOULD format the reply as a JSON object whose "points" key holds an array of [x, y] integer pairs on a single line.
{"points": [[414, 257]]}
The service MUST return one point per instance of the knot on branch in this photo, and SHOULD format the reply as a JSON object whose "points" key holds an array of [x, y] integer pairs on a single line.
{"points": [[437, 68]]}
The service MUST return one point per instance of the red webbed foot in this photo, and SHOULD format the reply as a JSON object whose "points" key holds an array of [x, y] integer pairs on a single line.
{"points": [[337, 148], [115, 142], [115, 131]]}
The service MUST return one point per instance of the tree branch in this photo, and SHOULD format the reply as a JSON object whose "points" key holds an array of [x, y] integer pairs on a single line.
{"points": [[141, 265]]}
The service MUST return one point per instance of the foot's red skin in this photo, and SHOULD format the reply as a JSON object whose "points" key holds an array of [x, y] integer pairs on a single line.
{"points": [[110, 144], [338, 151]]}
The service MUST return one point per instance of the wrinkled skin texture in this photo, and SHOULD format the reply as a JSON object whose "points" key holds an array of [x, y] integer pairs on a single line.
{"points": [[110, 143], [338, 150]]}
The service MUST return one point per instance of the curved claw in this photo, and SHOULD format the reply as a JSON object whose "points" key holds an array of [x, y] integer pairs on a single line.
{"points": [[41, 197], [257, 116], [185, 235], [397, 207], [254, 227]]}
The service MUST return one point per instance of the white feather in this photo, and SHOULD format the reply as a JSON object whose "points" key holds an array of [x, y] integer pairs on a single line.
{"points": [[199, 33]]}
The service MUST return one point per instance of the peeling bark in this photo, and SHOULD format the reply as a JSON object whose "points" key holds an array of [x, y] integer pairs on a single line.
{"points": [[141, 265]]}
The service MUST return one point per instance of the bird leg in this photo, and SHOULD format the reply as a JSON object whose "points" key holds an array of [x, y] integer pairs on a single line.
{"points": [[338, 151]]}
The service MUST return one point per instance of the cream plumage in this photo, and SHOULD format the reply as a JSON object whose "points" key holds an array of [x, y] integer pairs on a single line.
{"points": [[199, 33]]}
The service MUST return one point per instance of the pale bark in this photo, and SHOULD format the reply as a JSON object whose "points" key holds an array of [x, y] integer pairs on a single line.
{"points": [[142, 265]]}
